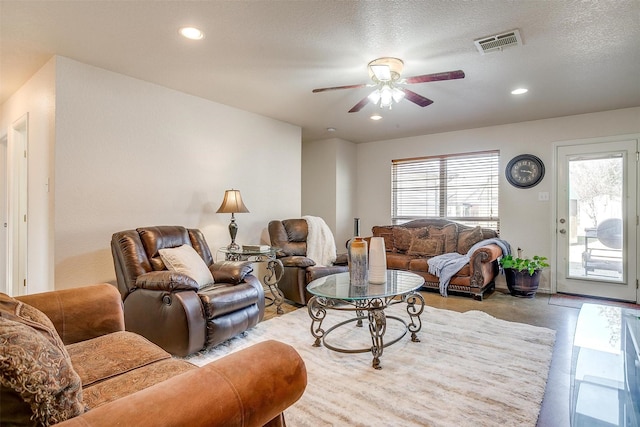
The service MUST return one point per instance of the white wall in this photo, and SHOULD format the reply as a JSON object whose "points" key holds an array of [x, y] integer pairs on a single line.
{"points": [[328, 179], [130, 153], [524, 221], [37, 98]]}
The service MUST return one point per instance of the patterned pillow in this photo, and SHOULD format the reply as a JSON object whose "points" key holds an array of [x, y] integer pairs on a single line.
{"points": [[402, 237], [449, 233], [468, 238], [35, 366], [426, 247], [386, 232]]}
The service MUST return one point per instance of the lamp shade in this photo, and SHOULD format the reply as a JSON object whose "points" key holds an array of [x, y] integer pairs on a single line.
{"points": [[232, 203]]}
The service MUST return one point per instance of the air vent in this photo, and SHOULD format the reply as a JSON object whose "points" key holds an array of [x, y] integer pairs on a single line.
{"points": [[498, 42]]}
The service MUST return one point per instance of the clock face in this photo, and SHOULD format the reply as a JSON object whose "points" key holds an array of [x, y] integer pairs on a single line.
{"points": [[525, 170]]}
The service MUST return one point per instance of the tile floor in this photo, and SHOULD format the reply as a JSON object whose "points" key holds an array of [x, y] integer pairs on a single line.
{"points": [[551, 311]]}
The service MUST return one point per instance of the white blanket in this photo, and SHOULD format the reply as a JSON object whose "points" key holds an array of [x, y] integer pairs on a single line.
{"points": [[321, 246]]}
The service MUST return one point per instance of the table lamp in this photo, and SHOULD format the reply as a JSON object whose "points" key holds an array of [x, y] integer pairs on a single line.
{"points": [[232, 203]]}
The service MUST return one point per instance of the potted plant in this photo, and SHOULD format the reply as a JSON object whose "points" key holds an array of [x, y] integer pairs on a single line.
{"points": [[523, 274]]}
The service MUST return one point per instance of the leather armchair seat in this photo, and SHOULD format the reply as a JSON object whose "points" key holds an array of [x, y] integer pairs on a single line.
{"points": [[169, 308], [290, 237]]}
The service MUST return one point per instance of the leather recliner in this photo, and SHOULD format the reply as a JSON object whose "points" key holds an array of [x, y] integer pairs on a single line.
{"points": [[290, 237], [167, 307]]}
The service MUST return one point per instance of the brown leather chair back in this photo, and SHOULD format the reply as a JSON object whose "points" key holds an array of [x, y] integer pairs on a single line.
{"points": [[290, 236], [136, 251]]}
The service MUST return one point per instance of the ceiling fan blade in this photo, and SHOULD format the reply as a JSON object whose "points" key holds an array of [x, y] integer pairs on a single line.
{"points": [[324, 89], [360, 105], [447, 75], [415, 98]]}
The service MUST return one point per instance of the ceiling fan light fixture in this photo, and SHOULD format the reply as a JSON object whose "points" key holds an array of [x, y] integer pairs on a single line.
{"points": [[374, 96], [386, 96], [382, 72], [397, 94]]}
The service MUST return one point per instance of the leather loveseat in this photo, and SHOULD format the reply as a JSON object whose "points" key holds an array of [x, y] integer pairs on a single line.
{"points": [[169, 307], [67, 360], [410, 245]]}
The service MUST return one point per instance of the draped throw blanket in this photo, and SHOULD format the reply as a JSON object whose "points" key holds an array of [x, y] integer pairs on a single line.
{"points": [[446, 265], [321, 246]]}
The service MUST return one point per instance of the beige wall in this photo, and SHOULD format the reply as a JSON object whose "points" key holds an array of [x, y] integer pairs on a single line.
{"points": [[37, 99], [130, 153], [525, 221], [329, 182]]}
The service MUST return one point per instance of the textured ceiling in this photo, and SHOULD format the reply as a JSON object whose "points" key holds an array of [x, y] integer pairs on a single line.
{"points": [[267, 56]]}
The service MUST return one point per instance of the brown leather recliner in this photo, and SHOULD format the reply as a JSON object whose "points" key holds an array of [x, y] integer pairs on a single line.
{"points": [[290, 237], [167, 307]]}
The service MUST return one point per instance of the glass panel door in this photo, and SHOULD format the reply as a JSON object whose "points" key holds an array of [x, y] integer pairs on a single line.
{"points": [[596, 238]]}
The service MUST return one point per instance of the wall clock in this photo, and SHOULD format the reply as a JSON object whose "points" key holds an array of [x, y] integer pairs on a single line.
{"points": [[524, 171]]}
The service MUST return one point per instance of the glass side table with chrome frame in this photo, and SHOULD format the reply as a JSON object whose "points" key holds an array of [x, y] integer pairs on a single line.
{"points": [[274, 273]]}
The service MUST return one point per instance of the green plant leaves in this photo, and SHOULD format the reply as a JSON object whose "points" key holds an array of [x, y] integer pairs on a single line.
{"points": [[521, 264]]}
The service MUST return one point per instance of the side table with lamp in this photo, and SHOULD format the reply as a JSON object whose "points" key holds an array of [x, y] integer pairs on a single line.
{"points": [[232, 203]]}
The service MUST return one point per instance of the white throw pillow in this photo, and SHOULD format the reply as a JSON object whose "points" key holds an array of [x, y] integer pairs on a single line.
{"points": [[184, 259]]}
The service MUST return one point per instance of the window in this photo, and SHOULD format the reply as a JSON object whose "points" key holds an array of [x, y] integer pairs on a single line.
{"points": [[458, 187]]}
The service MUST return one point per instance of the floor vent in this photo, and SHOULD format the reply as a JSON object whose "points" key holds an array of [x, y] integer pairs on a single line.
{"points": [[498, 42]]}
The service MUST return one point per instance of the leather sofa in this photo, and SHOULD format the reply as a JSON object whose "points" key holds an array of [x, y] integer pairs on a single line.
{"points": [[410, 245], [67, 360], [170, 308], [290, 237]]}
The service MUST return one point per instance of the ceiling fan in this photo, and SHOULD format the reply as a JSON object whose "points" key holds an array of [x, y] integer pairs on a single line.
{"points": [[386, 76]]}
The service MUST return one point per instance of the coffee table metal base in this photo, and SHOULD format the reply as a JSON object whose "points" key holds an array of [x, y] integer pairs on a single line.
{"points": [[375, 308]]}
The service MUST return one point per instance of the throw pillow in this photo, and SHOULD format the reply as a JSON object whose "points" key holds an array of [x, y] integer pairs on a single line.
{"points": [[468, 238], [449, 233], [35, 366], [386, 232], [184, 259], [426, 247], [402, 237]]}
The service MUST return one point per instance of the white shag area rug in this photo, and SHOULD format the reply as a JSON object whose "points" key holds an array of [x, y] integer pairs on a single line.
{"points": [[469, 369]]}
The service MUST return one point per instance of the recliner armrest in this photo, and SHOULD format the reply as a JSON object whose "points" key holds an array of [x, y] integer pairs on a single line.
{"points": [[341, 259], [232, 272], [252, 387], [166, 280], [297, 261]]}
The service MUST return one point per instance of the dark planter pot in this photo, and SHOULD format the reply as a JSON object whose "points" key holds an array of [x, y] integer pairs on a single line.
{"points": [[521, 284]]}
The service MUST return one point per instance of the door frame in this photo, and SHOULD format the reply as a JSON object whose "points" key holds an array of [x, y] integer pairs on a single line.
{"points": [[554, 224]]}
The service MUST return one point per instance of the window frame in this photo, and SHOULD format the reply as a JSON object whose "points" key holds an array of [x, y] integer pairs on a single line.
{"points": [[491, 157]]}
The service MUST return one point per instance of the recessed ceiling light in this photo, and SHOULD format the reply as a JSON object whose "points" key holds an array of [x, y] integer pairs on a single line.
{"points": [[519, 91], [331, 129], [191, 33], [375, 116]]}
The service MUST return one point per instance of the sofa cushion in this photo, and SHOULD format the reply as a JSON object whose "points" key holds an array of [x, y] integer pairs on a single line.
{"points": [[449, 233], [386, 232], [184, 259], [402, 237], [113, 354], [428, 246], [34, 366], [422, 265], [468, 238], [123, 385], [397, 261]]}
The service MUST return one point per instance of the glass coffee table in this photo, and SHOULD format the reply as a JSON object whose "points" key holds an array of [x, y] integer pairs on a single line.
{"points": [[334, 292]]}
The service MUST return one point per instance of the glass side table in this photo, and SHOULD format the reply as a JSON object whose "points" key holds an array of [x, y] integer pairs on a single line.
{"points": [[335, 292], [274, 273]]}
